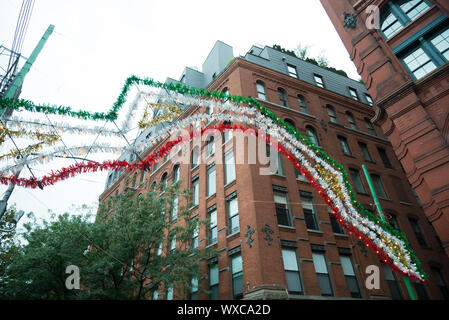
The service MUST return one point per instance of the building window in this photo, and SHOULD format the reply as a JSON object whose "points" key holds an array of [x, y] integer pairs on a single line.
{"points": [[212, 230], [392, 283], [172, 244], [418, 233], [357, 180], [213, 280], [164, 182], [309, 210], [194, 289], [440, 282], [379, 186], [311, 134], [195, 157], [210, 146], [229, 166], [225, 91], [370, 127], [419, 63], [351, 279], [176, 173], [384, 157], [194, 241], [441, 43], [369, 99], [332, 115], [155, 294], [283, 97], [399, 14], [210, 110], [299, 175], [279, 168], [336, 227], [344, 146], [302, 104], [318, 80], [211, 180], [365, 152], [196, 190], [170, 293], [232, 207], [351, 121], [237, 276], [292, 71], [393, 221], [281, 206], [156, 165], [322, 273], [227, 134], [421, 291], [261, 90], [291, 269], [174, 211], [353, 93]]}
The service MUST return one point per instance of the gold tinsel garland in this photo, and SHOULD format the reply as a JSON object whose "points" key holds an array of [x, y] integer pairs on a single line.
{"points": [[173, 112]]}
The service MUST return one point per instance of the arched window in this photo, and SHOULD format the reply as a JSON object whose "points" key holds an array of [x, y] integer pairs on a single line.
{"points": [[397, 14], [164, 182], [195, 157], [290, 122], [311, 133], [302, 104], [225, 90], [153, 186], [283, 97], [261, 94], [176, 173], [351, 120], [332, 115]]}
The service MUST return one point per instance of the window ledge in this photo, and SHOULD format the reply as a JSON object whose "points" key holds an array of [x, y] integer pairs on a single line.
{"points": [[341, 235], [233, 235], [211, 196], [211, 245], [315, 231], [286, 227], [406, 203], [229, 184]]}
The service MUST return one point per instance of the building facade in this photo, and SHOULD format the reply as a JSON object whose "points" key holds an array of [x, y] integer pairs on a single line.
{"points": [[276, 236], [401, 50]]}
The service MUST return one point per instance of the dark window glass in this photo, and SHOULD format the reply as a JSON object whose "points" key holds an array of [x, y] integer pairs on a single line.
{"points": [[302, 104], [365, 152], [418, 233], [282, 210], [283, 97], [261, 90], [322, 273], [345, 146], [351, 121], [440, 282], [291, 269], [213, 281], [392, 283], [384, 157], [309, 210], [379, 186], [332, 115], [351, 279], [237, 277], [311, 134], [357, 180]]}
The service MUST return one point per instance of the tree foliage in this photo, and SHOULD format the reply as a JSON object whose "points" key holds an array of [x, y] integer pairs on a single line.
{"points": [[125, 254]]}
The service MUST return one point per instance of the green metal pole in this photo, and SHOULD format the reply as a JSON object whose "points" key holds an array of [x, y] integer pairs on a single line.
{"points": [[382, 217], [18, 80]]}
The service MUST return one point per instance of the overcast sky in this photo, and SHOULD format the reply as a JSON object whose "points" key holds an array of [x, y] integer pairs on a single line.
{"points": [[96, 45]]}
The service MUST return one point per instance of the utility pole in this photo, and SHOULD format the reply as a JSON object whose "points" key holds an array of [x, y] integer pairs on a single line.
{"points": [[382, 217], [11, 93]]}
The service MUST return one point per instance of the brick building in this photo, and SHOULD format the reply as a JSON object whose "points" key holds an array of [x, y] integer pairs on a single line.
{"points": [[402, 58], [275, 234]]}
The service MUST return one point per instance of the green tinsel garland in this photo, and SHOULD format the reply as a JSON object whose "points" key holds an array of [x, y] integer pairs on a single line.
{"points": [[182, 89]]}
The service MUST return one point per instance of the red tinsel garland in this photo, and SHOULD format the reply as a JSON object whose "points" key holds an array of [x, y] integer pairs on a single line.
{"points": [[84, 167]]}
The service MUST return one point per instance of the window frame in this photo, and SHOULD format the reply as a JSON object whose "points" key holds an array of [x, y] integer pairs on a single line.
{"points": [[290, 73], [261, 94], [311, 213], [319, 83]]}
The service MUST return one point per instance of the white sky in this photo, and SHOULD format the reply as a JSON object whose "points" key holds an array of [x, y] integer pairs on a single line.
{"points": [[97, 44]]}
